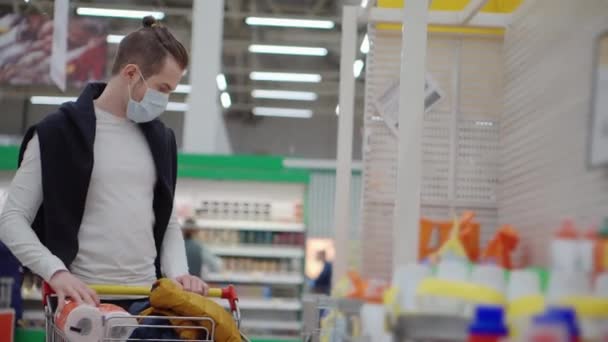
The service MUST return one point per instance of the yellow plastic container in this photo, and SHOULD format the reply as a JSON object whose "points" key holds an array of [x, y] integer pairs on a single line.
{"points": [[592, 313], [521, 311], [455, 297]]}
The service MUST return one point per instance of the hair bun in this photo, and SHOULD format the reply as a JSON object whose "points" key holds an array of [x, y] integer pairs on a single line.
{"points": [[149, 21]]}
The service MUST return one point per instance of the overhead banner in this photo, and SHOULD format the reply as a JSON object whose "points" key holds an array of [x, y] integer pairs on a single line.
{"points": [[27, 46], [59, 51]]}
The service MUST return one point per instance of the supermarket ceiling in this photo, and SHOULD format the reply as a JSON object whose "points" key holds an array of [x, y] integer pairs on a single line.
{"points": [[239, 37]]}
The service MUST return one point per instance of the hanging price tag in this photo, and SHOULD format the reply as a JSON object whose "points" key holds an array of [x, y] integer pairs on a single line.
{"points": [[387, 103]]}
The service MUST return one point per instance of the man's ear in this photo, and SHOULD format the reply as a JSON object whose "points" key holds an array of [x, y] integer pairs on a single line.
{"points": [[130, 72]]}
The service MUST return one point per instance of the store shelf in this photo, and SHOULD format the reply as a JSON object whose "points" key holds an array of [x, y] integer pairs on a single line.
{"points": [[32, 296], [33, 315], [256, 278], [258, 251], [251, 225], [265, 304], [274, 338], [271, 325]]}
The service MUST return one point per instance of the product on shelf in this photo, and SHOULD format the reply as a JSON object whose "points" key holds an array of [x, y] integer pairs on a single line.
{"points": [[244, 237], [525, 300], [279, 266], [601, 249], [565, 253], [546, 329], [452, 248], [587, 245], [501, 247], [434, 234], [488, 325]]}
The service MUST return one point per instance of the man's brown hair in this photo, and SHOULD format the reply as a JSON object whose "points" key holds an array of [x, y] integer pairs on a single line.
{"points": [[149, 47]]}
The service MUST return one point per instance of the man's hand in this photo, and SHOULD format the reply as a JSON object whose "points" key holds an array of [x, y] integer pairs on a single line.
{"points": [[194, 284], [68, 286]]}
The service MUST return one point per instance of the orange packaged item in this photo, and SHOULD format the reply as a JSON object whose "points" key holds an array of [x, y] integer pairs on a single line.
{"points": [[501, 247], [80, 322], [601, 249], [434, 234], [363, 290]]}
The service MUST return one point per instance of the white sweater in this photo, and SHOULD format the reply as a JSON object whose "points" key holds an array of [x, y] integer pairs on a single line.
{"points": [[116, 241]]}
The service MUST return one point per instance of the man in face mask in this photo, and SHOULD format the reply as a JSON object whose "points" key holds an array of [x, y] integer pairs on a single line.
{"points": [[92, 201]]}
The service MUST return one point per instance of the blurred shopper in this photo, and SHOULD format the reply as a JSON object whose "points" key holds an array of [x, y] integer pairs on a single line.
{"points": [[322, 284], [200, 259], [92, 200]]}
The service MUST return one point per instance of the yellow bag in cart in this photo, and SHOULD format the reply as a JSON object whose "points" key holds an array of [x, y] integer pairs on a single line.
{"points": [[167, 295], [184, 333]]}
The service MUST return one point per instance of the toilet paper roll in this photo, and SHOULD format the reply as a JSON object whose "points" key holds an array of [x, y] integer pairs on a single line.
{"points": [[80, 322], [118, 323]]}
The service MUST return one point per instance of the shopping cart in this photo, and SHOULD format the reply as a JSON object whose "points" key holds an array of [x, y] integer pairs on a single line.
{"points": [[346, 325], [429, 328], [205, 325]]}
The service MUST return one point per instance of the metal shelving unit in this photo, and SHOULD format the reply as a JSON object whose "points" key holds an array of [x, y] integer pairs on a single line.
{"points": [[256, 278], [258, 251], [271, 304], [291, 227], [257, 229]]}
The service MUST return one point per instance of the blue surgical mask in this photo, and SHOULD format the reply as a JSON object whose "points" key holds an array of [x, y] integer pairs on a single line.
{"points": [[151, 106]]}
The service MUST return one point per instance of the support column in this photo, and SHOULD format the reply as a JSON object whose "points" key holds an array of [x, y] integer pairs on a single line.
{"points": [[411, 111], [204, 128], [342, 219]]}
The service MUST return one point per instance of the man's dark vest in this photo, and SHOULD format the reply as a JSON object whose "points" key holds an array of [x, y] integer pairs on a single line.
{"points": [[66, 152]]}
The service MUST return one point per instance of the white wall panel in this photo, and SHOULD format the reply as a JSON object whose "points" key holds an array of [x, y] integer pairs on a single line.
{"points": [[459, 156], [544, 171]]}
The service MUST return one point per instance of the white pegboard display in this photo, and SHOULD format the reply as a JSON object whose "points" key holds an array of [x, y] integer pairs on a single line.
{"points": [[477, 161], [436, 156], [459, 139], [544, 172]]}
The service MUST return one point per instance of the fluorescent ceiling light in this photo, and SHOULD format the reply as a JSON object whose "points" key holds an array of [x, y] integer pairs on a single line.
{"points": [[183, 89], [282, 112], [114, 38], [177, 106], [288, 50], [286, 22], [50, 100], [283, 95], [358, 67], [58, 100], [118, 13], [221, 82], [284, 77], [226, 100], [364, 3], [365, 45]]}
